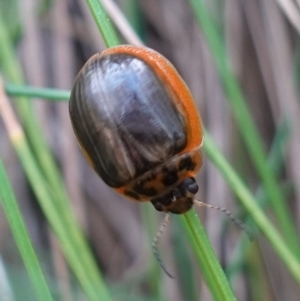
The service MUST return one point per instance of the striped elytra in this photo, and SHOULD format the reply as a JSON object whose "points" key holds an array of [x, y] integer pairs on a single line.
{"points": [[137, 125]]}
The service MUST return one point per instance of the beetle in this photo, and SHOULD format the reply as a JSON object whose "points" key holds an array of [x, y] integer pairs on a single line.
{"points": [[137, 125]]}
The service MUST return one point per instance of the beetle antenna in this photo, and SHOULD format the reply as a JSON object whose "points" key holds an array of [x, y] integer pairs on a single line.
{"points": [[239, 223], [156, 241]]}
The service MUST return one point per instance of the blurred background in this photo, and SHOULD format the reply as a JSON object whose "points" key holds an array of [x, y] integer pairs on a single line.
{"points": [[53, 39]]}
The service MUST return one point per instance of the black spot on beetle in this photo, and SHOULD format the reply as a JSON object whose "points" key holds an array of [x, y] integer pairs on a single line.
{"points": [[170, 179], [165, 169], [187, 163], [147, 191]]}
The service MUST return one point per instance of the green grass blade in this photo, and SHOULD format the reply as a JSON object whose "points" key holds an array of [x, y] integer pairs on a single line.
{"points": [[34, 92], [210, 266], [253, 209], [105, 26], [11, 70], [93, 286], [275, 163], [184, 263], [88, 275], [20, 233], [245, 122]]}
